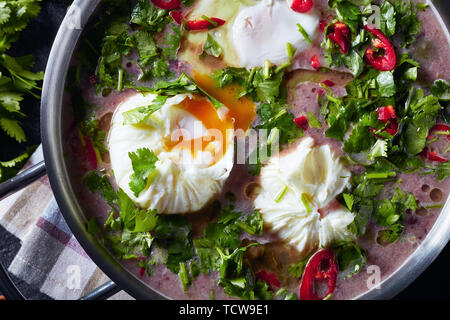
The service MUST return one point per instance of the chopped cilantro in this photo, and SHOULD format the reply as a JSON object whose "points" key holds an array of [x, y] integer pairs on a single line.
{"points": [[140, 114], [211, 47], [143, 162], [350, 258], [304, 33]]}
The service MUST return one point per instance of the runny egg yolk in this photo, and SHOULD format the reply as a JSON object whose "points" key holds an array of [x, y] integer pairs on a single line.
{"points": [[217, 129], [239, 113], [242, 110]]}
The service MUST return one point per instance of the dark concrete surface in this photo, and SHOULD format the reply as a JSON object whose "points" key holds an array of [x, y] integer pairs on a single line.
{"points": [[434, 283]]}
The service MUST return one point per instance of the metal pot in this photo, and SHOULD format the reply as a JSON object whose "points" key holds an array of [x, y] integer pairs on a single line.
{"points": [[52, 125]]}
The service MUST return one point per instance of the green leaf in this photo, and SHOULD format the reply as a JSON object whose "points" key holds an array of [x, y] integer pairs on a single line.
{"points": [[443, 171], [211, 47], [354, 62], [349, 200], [13, 129], [172, 43], [351, 258], [145, 46], [304, 33], [441, 89], [93, 227], [388, 21], [141, 114], [386, 84], [145, 220], [147, 15], [11, 101], [100, 183], [143, 162], [379, 149], [313, 121]]}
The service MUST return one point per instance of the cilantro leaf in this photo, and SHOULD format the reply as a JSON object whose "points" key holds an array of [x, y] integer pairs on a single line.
{"points": [[140, 114], [147, 15], [443, 171], [211, 47], [441, 89], [350, 258], [386, 84], [143, 162]]}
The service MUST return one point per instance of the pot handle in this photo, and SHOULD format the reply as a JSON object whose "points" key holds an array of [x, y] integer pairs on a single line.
{"points": [[22, 180]]}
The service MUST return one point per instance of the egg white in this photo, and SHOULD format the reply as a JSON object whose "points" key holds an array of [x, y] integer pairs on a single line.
{"points": [[183, 183], [318, 174], [255, 31]]}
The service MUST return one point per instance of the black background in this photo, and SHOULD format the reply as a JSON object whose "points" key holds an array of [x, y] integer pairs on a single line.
{"points": [[434, 283]]}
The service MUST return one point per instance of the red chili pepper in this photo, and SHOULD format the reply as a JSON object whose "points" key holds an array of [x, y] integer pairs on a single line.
{"points": [[328, 83], [386, 113], [91, 155], [177, 16], [432, 156], [391, 128], [383, 62], [321, 267], [322, 25], [196, 25], [340, 34], [442, 128], [269, 277], [167, 5], [315, 63], [302, 6], [204, 24], [301, 122]]}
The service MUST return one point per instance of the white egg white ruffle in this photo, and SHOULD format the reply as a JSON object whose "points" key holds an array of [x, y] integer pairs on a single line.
{"points": [[318, 175]]}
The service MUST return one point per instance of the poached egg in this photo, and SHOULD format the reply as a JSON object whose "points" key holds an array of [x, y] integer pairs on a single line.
{"points": [[295, 187], [255, 31], [194, 145]]}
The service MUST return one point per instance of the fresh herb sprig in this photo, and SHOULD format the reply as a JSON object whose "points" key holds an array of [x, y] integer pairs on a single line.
{"points": [[17, 79]]}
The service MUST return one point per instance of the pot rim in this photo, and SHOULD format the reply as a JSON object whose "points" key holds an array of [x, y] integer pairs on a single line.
{"points": [[51, 131]]}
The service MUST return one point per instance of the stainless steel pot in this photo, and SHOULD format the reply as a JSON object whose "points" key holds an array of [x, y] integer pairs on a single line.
{"points": [[52, 125]]}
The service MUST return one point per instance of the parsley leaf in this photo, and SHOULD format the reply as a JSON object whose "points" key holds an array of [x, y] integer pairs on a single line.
{"points": [[211, 47], [140, 114], [143, 162]]}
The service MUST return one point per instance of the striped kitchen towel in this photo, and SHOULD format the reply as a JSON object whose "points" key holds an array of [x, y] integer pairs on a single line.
{"points": [[50, 258]]}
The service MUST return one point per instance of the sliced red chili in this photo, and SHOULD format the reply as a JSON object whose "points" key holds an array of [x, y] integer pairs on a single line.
{"points": [[340, 34], [301, 122], [320, 268], [91, 155], [177, 16], [391, 128], [328, 83], [440, 127], [269, 277], [315, 63], [204, 24], [322, 25], [302, 6], [386, 113], [385, 60], [196, 25], [432, 156], [167, 5]]}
